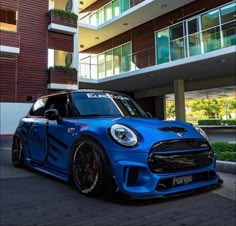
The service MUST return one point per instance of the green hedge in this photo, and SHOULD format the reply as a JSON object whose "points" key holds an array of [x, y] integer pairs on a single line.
{"points": [[209, 122], [66, 15], [225, 151], [63, 68], [229, 122]]}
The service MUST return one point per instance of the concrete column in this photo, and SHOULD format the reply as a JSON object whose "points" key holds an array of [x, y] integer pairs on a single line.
{"points": [[75, 44], [179, 100]]}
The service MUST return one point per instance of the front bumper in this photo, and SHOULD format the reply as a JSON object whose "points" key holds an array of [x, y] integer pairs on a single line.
{"points": [[135, 179]]}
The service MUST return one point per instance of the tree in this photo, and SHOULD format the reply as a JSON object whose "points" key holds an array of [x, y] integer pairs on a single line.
{"points": [[210, 107]]}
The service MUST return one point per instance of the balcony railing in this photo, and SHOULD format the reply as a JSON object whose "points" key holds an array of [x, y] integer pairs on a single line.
{"points": [[107, 12], [10, 43], [62, 21], [198, 43]]}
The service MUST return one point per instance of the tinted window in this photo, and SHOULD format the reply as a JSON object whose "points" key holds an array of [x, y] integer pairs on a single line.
{"points": [[59, 102], [38, 107], [105, 104]]}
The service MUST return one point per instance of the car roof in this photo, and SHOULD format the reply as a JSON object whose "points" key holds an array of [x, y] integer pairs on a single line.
{"points": [[81, 91]]}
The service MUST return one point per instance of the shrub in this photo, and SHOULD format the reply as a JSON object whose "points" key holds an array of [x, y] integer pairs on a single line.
{"points": [[230, 122], [66, 15], [209, 122], [224, 151], [63, 68]]}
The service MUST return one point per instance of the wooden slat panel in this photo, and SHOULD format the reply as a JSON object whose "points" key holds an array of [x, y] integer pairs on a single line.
{"points": [[32, 60], [10, 39], [8, 79], [60, 41], [9, 4]]}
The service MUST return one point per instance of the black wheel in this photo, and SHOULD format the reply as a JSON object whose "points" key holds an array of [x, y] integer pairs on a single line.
{"points": [[17, 153], [89, 168]]}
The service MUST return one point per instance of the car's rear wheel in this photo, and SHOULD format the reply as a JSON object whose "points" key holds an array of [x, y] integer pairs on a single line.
{"points": [[17, 152], [89, 167]]}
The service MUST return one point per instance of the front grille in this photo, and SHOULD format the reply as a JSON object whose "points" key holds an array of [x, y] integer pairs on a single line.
{"points": [[167, 183], [185, 144], [180, 155]]}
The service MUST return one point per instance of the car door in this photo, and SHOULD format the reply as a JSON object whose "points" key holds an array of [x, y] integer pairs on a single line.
{"points": [[59, 133], [35, 130]]}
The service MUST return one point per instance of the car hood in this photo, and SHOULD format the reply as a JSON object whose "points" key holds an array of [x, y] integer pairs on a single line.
{"points": [[155, 130], [148, 127]]}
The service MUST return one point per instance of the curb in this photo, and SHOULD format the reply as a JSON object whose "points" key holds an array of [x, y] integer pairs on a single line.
{"points": [[226, 167]]}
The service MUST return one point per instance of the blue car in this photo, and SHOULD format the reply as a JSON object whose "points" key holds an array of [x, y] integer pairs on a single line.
{"points": [[103, 141]]}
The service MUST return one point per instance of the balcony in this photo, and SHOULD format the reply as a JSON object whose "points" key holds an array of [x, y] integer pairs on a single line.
{"points": [[62, 78], [112, 65], [110, 20], [10, 43], [62, 21]]}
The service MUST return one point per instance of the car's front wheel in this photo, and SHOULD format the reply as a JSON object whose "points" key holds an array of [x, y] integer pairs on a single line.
{"points": [[17, 152], [89, 167]]}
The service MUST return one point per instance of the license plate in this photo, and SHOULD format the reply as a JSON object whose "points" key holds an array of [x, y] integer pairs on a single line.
{"points": [[182, 180]]}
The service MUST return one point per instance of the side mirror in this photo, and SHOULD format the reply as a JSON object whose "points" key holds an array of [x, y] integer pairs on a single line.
{"points": [[51, 114]]}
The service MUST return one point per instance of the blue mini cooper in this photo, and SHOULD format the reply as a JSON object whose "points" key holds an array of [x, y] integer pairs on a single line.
{"points": [[103, 141]]}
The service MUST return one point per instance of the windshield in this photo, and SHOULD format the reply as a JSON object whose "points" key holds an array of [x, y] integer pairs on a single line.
{"points": [[105, 104]]}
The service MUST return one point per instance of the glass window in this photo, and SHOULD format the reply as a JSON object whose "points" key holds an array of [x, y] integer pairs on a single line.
{"points": [[194, 45], [105, 104], [211, 39], [228, 13], [38, 107], [229, 34], [101, 66], [93, 19], [109, 63], [126, 57], [100, 16], [94, 68], [125, 5], [177, 42], [8, 20], [117, 60], [162, 49], [108, 12], [210, 19], [116, 8]]}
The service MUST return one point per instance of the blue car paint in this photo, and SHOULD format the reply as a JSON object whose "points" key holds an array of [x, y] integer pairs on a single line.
{"points": [[121, 158]]}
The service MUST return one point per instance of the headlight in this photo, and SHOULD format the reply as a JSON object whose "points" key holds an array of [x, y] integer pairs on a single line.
{"points": [[123, 135], [201, 131]]}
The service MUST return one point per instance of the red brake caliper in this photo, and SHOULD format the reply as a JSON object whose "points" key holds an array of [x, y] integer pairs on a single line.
{"points": [[94, 164]]}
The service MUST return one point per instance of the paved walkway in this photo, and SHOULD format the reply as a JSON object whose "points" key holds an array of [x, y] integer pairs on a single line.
{"points": [[30, 198]]}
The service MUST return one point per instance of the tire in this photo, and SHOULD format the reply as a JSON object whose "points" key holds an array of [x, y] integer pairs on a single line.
{"points": [[17, 152], [90, 167]]}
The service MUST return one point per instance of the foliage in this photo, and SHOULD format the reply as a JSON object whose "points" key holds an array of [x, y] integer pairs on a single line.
{"points": [[65, 15], [196, 109], [229, 122], [210, 106], [63, 68], [209, 122], [225, 151], [170, 109]]}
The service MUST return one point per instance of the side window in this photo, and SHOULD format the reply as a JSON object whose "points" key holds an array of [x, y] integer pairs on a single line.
{"points": [[38, 107], [58, 102]]}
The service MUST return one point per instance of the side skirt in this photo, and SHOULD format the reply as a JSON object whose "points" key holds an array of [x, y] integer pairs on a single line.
{"points": [[48, 170]]}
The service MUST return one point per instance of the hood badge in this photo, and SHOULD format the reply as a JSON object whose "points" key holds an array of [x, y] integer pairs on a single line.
{"points": [[180, 134]]}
